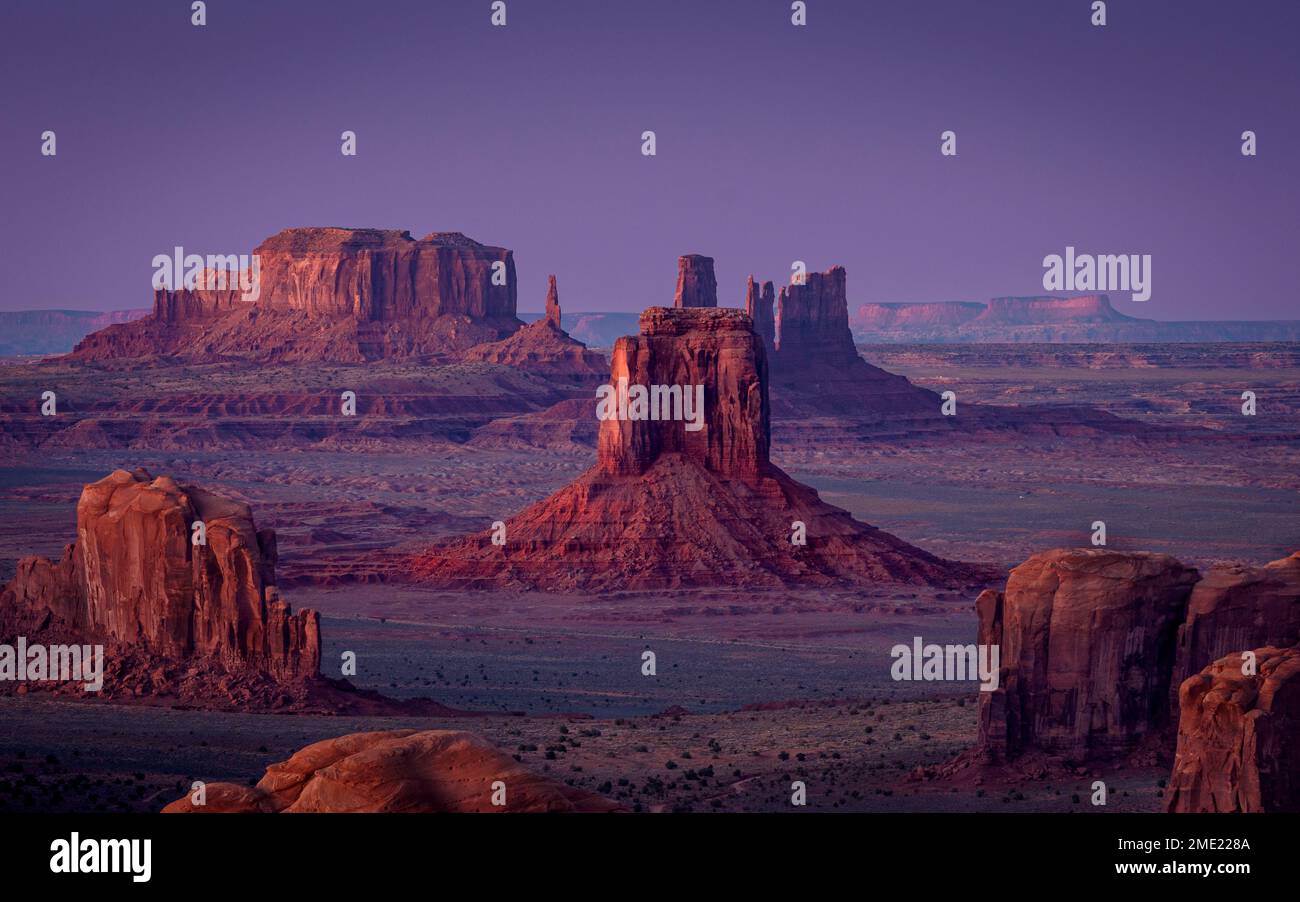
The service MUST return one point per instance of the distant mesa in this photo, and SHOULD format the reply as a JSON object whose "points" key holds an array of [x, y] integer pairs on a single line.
{"points": [[397, 771], [200, 624], [340, 295], [667, 506], [1044, 319]]}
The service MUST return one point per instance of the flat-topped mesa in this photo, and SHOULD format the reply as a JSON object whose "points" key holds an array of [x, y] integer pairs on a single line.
{"points": [[812, 321], [552, 303], [684, 356], [135, 575], [1021, 311], [696, 285], [343, 295], [759, 306], [384, 275]]}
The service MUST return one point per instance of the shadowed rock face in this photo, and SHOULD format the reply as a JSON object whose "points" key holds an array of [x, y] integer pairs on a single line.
{"points": [[134, 576], [1087, 642], [406, 771], [1234, 608], [696, 285], [758, 304], [1239, 736], [667, 507]]}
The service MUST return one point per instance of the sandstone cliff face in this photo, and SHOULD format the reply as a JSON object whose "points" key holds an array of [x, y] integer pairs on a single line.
{"points": [[346, 295], [1239, 736], [676, 348], [1234, 608], [553, 315], [667, 507], [134, 576], [405, 771], [696, 284], [758, 304], [1087, 643]]}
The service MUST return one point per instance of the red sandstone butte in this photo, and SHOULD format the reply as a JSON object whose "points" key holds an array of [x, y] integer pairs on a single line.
{"points": [[397, 771], [345, 295], [667, 507], [816, 368], [1086, 642], [1239, 736], [1236, 607], [134, 576], [696, 285], [543, 347]]}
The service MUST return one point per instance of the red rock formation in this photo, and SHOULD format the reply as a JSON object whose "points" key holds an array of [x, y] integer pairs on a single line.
{"points": [[408, 771], [696, 285], [759, 307], [665, 506], [542, 346], [817, 368], [1239, 736], [552, 303], [346, 295], [1236, 607], [1086, 642], [134, 576], [1085, 308]]}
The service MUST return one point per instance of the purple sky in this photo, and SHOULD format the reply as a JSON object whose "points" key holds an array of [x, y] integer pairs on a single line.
{"points": [[775, 143]]}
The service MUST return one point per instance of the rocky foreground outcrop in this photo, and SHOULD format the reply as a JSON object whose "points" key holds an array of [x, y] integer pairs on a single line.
{"points": [[1094, 647], [338, 295], [397, 771], [1234, 608], [193, 623], [135, 575], [667, 505], [1239, 736], [1086, 642]]}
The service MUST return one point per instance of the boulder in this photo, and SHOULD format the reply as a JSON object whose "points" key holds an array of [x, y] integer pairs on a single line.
{"points": [[398, 771]]}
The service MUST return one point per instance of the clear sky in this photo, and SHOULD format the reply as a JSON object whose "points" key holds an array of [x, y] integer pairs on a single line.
{"points": [[774, 142]]}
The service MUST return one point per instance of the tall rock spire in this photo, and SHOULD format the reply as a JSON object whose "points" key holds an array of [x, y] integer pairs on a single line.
{"points": [[552, 302]]}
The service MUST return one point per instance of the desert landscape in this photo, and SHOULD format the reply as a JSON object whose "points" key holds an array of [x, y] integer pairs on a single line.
{"points": [[350, 584]]}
